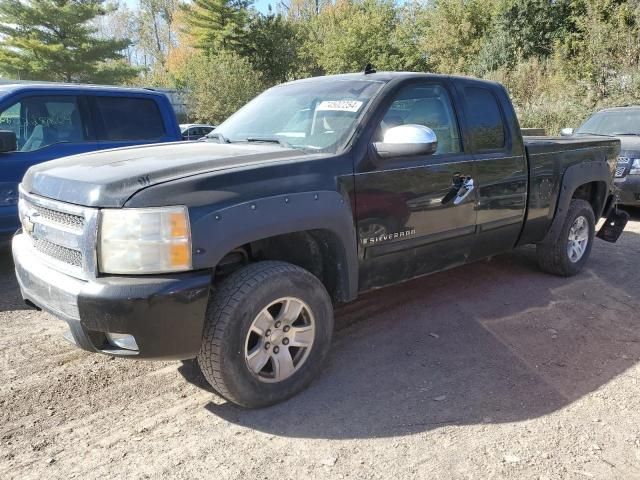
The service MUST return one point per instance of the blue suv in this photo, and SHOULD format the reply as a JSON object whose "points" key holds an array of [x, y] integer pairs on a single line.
{"points": [[40, 122]]}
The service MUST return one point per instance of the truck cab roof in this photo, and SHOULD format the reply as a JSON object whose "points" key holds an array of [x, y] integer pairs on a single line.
{"points": [[385, 77], [46, 88]]}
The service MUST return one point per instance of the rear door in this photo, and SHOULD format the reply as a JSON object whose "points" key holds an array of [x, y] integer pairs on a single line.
{"points": [[408, 221], [500, 166], [128, 120]]}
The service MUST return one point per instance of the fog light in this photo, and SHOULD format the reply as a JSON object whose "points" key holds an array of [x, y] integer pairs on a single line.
{"points": [[122, 340]]}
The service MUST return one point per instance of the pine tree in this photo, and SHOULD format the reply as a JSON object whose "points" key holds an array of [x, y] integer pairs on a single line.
{"points": [[55, 40], [218, 25]]}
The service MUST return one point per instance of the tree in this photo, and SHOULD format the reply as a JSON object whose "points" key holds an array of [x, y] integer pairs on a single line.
{"points": [[602, 49], [272, 47], [302, 9], [347, 35], [524, 29], [55, 40], [217, 25], [157, 33], [217, 85], [455, 33]]}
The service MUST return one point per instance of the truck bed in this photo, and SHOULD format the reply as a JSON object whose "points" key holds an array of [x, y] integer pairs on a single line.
{"points": [[540, 145], [548, 158]]}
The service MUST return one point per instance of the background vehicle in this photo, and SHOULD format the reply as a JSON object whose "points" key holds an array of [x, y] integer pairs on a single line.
{"points": [[194, 131], [40, 122], [235, 249], [622, 123]]}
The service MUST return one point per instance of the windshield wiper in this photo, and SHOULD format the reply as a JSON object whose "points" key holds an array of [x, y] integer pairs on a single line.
{"points": [[269, 140], [593, 133], [221, 138], [625, 134]]}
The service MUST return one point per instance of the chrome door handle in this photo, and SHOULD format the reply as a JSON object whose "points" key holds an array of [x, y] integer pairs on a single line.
{"points": [[466, 188]]}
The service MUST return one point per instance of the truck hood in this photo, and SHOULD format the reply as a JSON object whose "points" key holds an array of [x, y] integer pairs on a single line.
{"points": [[108, 178]]}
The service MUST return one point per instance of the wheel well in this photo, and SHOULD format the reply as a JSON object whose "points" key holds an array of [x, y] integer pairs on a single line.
{"points": [[595, 193], [318, 251]]}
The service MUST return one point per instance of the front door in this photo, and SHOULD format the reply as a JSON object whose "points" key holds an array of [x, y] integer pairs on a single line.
{"points": [[411, 218]]}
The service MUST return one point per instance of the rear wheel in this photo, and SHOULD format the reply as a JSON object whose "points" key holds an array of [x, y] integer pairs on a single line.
{"points": [[267, 333], [569, 253]]}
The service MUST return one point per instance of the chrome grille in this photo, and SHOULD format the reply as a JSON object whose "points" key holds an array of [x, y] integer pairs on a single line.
{"points": [[60, 253], [60, 218], [63, 235]]}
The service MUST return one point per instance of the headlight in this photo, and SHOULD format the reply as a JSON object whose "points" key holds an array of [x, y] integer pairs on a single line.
{"points": [[635, 167], [145, 240]]}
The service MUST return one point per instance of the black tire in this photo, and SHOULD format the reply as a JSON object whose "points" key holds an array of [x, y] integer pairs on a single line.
{"points": [[553, 257], [232, 309]]}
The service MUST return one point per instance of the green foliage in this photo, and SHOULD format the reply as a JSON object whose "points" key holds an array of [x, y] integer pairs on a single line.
{"points": [[523, 29], [561, 59], [55, 40], [542, 94], [347, 35], [272, 47], [603, 45], [218, 85], [455, 33], [218, 25]]}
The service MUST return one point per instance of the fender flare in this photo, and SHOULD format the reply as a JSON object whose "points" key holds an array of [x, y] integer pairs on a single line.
{"points": [[574, 176], [218, 232]]}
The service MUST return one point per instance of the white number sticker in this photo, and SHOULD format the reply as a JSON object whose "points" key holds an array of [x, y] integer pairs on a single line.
{"points": [[340, 105]]}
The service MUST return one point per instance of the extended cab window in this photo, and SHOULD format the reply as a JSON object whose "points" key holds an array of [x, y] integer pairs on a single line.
{"points": [[130, 119], [42, 121], [427, 105], [484, 119]]}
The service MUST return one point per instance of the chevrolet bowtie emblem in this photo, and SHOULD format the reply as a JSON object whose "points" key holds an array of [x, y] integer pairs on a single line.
{"points": [[28, 224]]}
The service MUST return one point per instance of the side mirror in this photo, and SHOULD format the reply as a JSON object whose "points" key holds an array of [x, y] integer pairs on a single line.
{"points": [[407, 140], [8, 141], [566, 132]]}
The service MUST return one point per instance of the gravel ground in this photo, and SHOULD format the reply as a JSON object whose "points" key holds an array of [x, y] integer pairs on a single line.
{"points": [[492, 370]]}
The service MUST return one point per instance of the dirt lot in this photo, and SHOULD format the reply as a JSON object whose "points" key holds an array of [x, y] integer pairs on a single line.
{"points": [[493, 370]]}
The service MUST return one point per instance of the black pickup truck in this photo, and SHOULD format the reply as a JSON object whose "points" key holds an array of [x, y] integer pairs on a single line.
{"points": [[235, 249]]}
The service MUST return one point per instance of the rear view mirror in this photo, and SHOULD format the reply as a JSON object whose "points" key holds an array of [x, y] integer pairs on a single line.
{"points": [[407, 140], [566, 132], [8, 141]]}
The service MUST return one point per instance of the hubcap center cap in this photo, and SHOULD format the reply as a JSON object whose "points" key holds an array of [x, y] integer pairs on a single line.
{"points": [[276, 337]]}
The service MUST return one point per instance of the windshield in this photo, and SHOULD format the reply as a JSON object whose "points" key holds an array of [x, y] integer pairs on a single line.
{"points": [[621, 122], [319, 116]]}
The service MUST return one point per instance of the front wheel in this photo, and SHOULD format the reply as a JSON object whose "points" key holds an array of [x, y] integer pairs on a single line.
{"points": [[267, 333], [569, 253]]}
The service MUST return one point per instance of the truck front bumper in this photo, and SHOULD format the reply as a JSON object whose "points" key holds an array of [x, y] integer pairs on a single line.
{"points": [[159, 316], [628, 190]]}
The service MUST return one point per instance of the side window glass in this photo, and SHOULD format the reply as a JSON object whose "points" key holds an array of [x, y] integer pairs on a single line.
{"points": [[42, 121], [427, 105], [484, 119], [130, 119], [10, 120]]}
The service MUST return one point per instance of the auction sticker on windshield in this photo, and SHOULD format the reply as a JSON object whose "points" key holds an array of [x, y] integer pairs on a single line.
{"points": [[339, 105]]}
